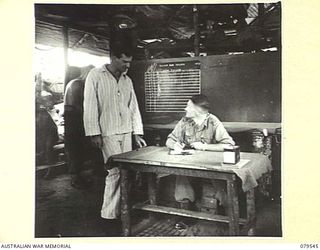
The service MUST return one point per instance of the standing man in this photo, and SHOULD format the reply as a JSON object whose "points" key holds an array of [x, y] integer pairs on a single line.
{"points": [[111, 117]]}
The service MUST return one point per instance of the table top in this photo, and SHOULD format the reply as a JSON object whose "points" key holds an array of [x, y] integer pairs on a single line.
{"points": [[204, 160]]}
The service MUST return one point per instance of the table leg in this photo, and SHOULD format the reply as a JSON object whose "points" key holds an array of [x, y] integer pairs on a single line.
{"points": [[251, 212], [233, 207], [125, 211], [152, 193], [152, 190]]}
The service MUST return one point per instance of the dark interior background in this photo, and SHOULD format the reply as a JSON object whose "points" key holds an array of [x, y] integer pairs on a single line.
{"points": [[241, 88]]}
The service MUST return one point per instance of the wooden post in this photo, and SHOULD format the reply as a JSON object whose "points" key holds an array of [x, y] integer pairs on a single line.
{"points": [[196, 30], [125, 211], [251, 213], [261, 12], [65, 32], [233, 207], [152, 193], [251, 208], [147, 54]]}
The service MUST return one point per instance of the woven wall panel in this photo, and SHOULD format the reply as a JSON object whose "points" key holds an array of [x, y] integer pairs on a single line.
{"points": [[50, 34]]}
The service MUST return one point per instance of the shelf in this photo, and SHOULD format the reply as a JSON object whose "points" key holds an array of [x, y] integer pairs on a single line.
{"points": [[185, 213]]}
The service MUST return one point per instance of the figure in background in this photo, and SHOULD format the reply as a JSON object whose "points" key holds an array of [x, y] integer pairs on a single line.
{"points": [[46, 129], [111, 117], [46, 133], [78, 146], [199, 130]]}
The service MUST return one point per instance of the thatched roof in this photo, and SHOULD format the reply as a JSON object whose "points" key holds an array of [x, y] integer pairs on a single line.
{"points": [[222, 27], [52, 34]]}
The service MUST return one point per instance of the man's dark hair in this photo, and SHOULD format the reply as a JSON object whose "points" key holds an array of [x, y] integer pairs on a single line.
{"points": [[118, 50], [201, 101]]}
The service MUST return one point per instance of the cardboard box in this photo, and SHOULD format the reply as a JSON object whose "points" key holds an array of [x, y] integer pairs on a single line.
{"points": [[231, 154]]}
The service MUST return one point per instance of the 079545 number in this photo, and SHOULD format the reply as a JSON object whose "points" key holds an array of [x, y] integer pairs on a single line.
{"points": [[309, 246]]}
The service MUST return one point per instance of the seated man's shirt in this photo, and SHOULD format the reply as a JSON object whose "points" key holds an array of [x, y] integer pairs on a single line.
{"points": [[211, 131]]}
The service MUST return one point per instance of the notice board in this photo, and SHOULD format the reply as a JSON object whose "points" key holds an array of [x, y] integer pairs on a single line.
{"points": [[169, 86], [241, 88]]}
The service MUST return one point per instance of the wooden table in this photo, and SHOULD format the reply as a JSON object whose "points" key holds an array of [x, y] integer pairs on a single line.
{"points": [[204, 164]]}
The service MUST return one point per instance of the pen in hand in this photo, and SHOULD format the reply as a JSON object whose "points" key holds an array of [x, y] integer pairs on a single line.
{"points": [[179, 146]]}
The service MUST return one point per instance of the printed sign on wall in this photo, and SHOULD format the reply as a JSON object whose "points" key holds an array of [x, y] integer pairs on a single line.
{"points": [[169, 86]]}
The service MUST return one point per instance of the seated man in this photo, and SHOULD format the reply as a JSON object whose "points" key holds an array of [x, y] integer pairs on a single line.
{"points": [[199, 130]]}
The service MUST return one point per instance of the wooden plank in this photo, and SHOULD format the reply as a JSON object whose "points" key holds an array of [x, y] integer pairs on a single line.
{"points": [[152, 191], [65, 32], [251, 207], [159, 156], [57, 164], [185, 213], [175, 171], [196, 41], [125, 211], [249, 228], [169, 167], [206, 161], [233, 208], [145, 223]]}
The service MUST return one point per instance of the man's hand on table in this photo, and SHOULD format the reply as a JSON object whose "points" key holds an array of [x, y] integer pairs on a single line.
{"points": [[218, 147], [198, 145], [178, 146], [96, 141], [140, 142]]}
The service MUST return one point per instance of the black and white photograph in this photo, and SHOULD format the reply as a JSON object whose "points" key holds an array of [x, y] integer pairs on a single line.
{"points": [[158, 120]]}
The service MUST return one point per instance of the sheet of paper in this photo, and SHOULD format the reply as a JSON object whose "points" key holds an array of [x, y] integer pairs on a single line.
{"points": [[240, 164], [182, 152]]}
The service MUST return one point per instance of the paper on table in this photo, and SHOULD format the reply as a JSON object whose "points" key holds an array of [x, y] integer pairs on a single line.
{"points": [[182, 152], [240, 164]]}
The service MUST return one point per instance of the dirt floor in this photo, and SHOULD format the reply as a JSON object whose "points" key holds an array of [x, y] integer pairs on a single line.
{"points": [[63, 211]]}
